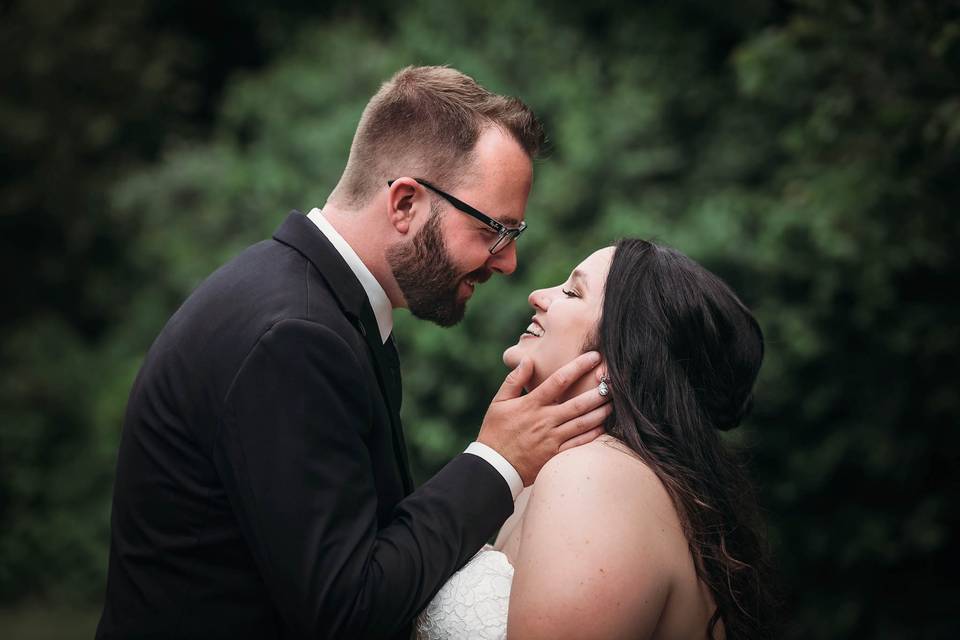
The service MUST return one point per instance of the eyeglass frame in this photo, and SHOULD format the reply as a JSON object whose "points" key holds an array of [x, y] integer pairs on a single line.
{"points": [[503, 231]]}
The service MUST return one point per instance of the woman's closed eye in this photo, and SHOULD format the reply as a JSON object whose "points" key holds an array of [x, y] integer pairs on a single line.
{"points": [[570, 293]]}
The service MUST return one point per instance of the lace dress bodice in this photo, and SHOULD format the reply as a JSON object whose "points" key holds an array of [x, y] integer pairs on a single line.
{"points": [[473, 603]]}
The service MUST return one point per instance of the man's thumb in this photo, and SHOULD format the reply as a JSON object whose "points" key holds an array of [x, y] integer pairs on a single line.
{"points": [[515, 381]]}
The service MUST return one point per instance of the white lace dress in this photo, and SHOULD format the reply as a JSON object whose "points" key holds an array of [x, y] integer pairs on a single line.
{"points": [[472, 604]]}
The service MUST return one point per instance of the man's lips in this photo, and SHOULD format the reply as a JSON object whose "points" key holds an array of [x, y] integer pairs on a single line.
{"points": [[466, 289], [476, 277]]}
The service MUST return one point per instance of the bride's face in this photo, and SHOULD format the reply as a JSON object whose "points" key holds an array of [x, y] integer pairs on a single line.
{"points": [[566, 315]]}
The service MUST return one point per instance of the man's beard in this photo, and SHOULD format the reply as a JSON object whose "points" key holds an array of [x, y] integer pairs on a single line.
{"points": [[427, 276]]}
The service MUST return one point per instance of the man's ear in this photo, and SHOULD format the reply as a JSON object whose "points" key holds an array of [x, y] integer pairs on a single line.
{"points": [[404, 200]]}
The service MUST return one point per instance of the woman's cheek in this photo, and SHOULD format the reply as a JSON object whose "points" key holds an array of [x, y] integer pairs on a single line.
{"points": [[551, 355]]}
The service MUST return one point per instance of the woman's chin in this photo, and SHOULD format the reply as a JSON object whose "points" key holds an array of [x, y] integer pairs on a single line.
{"points": [[512, 356]]}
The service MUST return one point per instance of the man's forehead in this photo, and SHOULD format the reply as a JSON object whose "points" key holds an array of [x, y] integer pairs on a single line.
{"points": [[502, 175], [504, 199], [504, 202]]}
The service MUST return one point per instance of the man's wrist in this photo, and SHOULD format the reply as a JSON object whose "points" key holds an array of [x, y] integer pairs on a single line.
{"points": [[498, 462]]}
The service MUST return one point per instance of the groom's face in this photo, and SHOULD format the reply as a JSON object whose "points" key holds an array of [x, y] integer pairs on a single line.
{"points": [[428, 276], [448, 256]]}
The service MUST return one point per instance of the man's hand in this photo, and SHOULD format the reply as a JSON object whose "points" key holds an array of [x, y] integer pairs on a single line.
{"points": [[530, 429]]}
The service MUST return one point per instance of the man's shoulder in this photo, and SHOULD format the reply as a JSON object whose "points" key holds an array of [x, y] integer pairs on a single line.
{"points": [[273, 279], [228, 313]]}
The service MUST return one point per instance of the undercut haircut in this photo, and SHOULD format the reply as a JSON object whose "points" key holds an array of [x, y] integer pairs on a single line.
{"points": [[425, 122]]}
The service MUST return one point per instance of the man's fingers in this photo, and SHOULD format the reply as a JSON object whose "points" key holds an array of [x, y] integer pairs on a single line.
{"points": [[583, 424], [581, 404], [583, 438], [554, 386], [513, 384]]}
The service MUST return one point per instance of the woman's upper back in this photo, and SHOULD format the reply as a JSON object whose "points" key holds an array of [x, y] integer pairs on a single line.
{"points": [[599, 551]]}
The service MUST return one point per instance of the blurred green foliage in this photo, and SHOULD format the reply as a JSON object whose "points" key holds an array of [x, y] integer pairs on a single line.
{"points": [[807, 153]]}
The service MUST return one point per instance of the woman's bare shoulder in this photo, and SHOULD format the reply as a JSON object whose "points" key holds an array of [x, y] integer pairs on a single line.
{"points": [[608, 492], [598, 540], [608, 472]]}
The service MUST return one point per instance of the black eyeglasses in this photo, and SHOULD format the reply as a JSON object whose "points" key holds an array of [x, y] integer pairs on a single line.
{"points": [[505, 234]]}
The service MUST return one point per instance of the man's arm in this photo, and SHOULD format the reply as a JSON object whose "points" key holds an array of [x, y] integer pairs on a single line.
{"points": [[299, 476]]}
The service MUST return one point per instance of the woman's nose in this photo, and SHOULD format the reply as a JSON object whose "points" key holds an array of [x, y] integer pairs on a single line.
{"points": [[539, 299]]}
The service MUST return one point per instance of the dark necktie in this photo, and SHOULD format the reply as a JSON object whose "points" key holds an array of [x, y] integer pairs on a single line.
{"points": [[395, 384]]}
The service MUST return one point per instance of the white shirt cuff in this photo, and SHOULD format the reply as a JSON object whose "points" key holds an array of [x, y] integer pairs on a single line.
{"points": [[498, 462]]}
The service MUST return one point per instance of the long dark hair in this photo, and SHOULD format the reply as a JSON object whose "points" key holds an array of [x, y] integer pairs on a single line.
{"points": [[682, 354]]}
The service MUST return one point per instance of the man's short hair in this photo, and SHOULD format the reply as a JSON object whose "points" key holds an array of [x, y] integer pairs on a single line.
{"points": [[425, 122]]}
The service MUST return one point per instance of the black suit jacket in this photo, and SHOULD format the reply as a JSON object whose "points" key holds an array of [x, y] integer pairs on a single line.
{"points": [[262, 489]]}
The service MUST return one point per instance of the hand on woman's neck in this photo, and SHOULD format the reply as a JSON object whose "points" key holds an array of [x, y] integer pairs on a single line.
{"points": [[590, 381], [585, 383]]}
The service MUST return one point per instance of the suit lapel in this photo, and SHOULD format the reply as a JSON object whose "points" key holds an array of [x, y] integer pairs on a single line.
{"points": [[302, 234]]}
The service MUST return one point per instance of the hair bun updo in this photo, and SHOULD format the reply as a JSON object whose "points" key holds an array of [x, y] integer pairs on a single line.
{"points": [[681, 332], [728, 418], [726, 355]]}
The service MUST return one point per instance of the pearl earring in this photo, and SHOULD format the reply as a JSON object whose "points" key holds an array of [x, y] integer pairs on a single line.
{"points": [[602, 388]]}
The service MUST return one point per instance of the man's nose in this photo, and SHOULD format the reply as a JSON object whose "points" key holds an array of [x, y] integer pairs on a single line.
{"points": [[505, 260]]}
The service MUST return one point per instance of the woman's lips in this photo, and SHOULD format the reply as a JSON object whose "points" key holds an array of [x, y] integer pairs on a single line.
{"points": [[533, 330]]}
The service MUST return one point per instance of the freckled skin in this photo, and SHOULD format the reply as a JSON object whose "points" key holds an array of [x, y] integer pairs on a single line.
{"points": [[585, 543]]}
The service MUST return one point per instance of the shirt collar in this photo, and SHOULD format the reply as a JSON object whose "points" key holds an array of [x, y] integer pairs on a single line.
{"points": [[382, 309]]}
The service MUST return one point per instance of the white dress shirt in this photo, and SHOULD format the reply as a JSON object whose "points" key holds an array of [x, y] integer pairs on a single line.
{"points": [[383, 311]]}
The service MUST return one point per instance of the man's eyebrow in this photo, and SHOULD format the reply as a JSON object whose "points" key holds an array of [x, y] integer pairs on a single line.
{"points": [[579, 277], [507, 221]]}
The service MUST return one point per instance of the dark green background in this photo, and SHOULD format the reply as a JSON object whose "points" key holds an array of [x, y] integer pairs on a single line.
{"points": [[808, 152]]}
